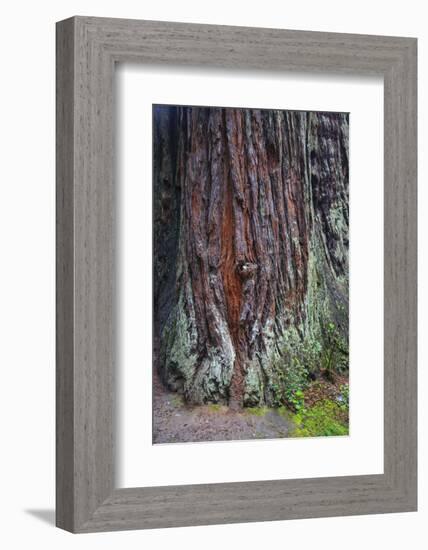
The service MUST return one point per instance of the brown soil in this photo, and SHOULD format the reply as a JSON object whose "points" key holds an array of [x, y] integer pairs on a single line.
{"points": [[324, 389]]}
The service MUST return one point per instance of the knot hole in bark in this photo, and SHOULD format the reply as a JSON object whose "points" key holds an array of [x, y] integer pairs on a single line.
{"points": [[246, 270]]}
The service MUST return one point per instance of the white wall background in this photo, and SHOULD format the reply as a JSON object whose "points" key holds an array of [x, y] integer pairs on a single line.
{"points": [[27, 272]]}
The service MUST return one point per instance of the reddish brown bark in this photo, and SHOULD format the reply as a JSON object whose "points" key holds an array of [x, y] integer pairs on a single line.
{"points": [[250, 244]]}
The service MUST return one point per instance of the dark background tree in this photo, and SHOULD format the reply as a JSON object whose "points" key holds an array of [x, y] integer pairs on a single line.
{"points": [[251, 224]]}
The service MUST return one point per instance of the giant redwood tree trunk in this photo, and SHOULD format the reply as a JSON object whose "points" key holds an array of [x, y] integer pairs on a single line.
{"points": [[250, 247]]}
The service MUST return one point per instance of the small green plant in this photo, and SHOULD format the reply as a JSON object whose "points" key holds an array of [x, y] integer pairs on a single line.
{"points": [[301, 358], [323, 419], [297, 400], [290, 373]]}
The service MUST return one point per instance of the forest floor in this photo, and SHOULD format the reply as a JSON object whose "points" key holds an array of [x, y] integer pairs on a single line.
{"points": [[174, 421]]}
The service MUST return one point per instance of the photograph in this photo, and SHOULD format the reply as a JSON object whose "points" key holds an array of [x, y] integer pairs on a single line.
{"points": [[250, 273]]}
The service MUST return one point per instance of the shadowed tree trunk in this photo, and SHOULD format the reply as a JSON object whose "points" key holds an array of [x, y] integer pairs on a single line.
{"points": [[250, 249]]}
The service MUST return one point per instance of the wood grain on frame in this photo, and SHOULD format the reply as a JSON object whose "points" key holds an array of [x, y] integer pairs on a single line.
{"points": [[87, 49]]}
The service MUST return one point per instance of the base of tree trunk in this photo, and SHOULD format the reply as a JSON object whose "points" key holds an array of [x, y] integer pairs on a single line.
{"points": [[251, 223]]}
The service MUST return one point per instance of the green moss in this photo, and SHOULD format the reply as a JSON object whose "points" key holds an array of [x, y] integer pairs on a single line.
{"points": [[257, 411], [283, 411], [215, 407], [323, 419]]}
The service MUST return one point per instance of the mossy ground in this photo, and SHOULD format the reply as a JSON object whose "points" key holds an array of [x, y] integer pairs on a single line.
{"points": [[326, 418], [320, 410], [257, 411]]}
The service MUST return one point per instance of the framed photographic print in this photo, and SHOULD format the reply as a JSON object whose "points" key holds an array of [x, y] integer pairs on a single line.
{"points": [[250, 273], [236, 274]]}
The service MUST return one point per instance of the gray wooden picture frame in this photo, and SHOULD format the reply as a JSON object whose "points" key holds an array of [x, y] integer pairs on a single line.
{"points": [[87, 50]]}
